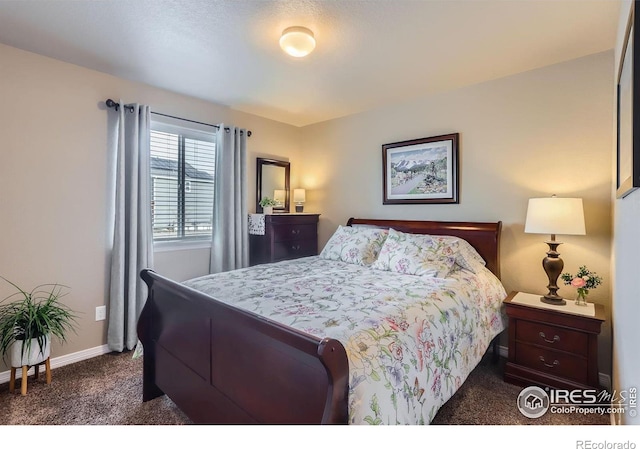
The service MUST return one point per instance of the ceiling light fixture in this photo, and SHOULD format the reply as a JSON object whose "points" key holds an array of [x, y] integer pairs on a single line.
{"points": [[297, 41]]}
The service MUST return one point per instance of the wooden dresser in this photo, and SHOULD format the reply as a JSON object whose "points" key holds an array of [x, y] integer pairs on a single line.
{"points": [[286, 236], [552, 346]]}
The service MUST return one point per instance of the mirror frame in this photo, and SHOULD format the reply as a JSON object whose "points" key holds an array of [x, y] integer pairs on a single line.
{"points": [[261, 162]]}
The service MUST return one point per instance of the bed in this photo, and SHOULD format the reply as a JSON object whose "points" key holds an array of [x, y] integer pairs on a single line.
{"points": [[323, 341]]}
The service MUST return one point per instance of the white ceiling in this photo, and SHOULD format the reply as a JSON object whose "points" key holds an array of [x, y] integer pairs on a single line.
{"points": [[369, 52]]}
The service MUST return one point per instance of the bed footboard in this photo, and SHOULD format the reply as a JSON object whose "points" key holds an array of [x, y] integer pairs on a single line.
{"points": [[221, 364]]}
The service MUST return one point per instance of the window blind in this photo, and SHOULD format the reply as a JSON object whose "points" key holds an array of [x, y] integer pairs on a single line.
{"points": [[182, 182]]}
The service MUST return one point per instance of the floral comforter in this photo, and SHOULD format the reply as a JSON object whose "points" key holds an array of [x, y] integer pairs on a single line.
{"points": [[411, 341]]}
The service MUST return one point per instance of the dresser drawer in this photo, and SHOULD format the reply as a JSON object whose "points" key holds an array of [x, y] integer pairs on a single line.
{"points": [[552, 337], [283, 232], [293, 249], [556, 363], [286, 236]]}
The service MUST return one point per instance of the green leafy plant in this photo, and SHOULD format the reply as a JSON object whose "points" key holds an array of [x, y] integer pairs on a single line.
{"points": [[35, 315], [268, 202]]}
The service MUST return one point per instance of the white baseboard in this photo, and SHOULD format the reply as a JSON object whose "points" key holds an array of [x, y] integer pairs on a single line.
{"points": [[604, 379], [62, 361], [614, 417]]}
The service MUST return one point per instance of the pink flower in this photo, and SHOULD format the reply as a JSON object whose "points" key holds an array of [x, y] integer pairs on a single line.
{"points": [[396, 351], [578, 282]]}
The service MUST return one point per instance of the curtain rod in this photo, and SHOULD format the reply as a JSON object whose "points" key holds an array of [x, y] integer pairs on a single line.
{"points": [[112, 104]]}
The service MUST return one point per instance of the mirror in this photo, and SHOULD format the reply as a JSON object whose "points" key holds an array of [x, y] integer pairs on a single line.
{"points": [[273, 182]]}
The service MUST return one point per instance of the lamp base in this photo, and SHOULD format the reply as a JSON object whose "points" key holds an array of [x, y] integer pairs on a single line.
{"points": [[553, 266], [299, 208], [555, 300]]}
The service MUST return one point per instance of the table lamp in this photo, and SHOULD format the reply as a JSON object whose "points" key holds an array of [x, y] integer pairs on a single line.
{"points": [[554, 216], [299, 197], [279, 197]]}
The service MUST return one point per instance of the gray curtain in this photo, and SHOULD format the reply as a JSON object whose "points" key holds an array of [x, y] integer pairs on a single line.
{"points": [[133, 237], [230, 236]]}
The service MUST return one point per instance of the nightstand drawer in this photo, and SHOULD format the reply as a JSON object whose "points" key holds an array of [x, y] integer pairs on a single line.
{"points": [[294, 232], [293, 249], [556, 363], [552, 337]]}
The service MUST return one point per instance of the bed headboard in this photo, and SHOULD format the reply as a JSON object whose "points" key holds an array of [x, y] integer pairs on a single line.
{"points": [[484, 237]]}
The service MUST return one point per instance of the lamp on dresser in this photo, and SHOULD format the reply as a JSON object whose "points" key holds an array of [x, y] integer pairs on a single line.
{"points": [[299, 197], [554, 216], [279, 196]]}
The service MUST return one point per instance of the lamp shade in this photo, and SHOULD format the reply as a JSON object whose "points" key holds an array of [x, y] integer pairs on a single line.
{"points": [[279, 195], [555, 216], [299, 195], [297, 41]]}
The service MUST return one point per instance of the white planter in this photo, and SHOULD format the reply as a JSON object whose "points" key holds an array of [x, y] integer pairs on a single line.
{"points": [[267, 210], [33, 357]]}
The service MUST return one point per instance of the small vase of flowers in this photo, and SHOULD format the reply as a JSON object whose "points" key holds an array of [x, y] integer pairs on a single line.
{"points": [[583, 281]]}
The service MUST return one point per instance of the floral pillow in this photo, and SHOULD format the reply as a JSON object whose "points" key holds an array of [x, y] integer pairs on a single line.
{"points": [[416, 254], [466, 255], [356, 245]]}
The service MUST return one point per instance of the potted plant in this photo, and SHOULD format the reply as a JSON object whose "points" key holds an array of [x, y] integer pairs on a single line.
{"points": [[28, 323], [267, 205]]}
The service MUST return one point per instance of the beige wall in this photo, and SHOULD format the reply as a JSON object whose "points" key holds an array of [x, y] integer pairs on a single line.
{"points": [[534, 134], [54, 178], [541, 132], [626, 266]]}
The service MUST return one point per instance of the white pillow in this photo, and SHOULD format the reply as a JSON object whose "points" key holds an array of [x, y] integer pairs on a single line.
{"points": [[359, 246], [416, 254]]}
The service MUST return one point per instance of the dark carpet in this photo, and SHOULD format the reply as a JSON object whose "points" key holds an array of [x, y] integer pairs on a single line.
{"points": [[107, 390]]}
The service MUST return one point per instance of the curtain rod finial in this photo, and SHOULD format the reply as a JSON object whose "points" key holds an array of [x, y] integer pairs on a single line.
{"points": [[111, 104]]}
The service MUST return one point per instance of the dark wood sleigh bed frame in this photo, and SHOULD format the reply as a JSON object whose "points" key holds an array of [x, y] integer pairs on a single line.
{"points": [[223, 365]]}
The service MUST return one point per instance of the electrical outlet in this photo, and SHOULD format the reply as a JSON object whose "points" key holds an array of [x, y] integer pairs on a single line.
{"points": [[101, 313]]}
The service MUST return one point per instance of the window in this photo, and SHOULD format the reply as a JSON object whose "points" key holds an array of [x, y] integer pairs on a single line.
{"points": [[182, 181]]}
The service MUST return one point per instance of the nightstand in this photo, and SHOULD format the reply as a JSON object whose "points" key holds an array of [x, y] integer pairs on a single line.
{"points": [[286, 236], [552, 346]]}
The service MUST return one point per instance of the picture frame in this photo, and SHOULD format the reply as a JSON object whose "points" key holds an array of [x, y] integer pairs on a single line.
{"points": [[628, 142], [421, 171]]}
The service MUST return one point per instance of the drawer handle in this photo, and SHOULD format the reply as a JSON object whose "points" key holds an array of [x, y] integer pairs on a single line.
{"points": [[556, 338], [555, 363], [295, 231], [295, 247]]}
